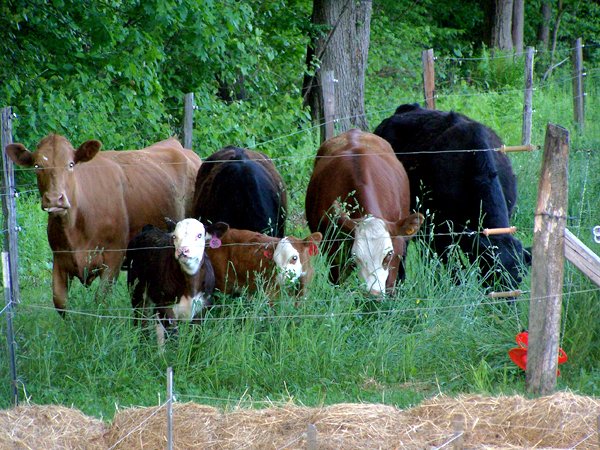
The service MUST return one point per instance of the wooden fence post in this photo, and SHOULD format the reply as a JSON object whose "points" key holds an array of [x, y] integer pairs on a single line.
{"points": [[188, 120], [311, 437], [328, 89], [548, 263], [528, 97], [428, 78], [10, 266], [578, 93]]}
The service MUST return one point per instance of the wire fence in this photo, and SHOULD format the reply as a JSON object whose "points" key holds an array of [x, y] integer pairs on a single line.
{"points": [[572, 290]]}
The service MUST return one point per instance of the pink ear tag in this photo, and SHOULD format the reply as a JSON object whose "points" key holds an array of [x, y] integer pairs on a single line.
{"points": [[215, 242]]}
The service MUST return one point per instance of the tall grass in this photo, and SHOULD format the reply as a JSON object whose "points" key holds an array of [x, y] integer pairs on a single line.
{"points": [[439, 333]]}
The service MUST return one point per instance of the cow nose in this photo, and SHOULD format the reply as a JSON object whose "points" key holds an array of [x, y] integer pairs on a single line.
{"points": [[55, 199], [183, 251], [375, 292]]}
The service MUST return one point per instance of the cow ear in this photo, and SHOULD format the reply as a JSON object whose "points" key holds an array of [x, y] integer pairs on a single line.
{"points": [[312, 242], [19, 155], [410, 225], [267, 250], [216, 230], [87, 151], [171, 224]]}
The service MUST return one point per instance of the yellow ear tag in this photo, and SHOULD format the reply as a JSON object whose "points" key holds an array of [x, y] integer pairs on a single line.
{"points": [[410, 231]]}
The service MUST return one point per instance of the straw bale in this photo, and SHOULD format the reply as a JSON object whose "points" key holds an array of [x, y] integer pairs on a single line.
{"points": [[50, 427], [562, 420], [557, 421], [146, 428]]}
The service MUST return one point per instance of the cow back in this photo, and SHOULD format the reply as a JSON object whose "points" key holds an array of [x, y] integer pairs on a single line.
{"points": [[242, 188]]}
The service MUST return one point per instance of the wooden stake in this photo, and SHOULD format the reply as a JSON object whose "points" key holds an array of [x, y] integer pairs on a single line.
{"points": [[311, 437], [518, 148], [328, 84], [188, 120], [528, 97], [495, 231], [458, 424], [428, 78], [578, 94], [505, 294], [548, 263]]}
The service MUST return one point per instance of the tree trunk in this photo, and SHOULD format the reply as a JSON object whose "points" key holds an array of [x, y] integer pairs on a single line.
{"points": [[342, 49], [543, 34], [518, 20], [502, 30]]}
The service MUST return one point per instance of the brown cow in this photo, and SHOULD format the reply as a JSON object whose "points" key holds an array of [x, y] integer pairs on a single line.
{"points": [[97, 201], [239, 257], [360, 171]]}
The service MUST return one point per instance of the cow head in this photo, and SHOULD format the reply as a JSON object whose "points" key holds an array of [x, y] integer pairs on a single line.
{"points": [[54, 162], [189, 241], [292, 257], [379, 247]]}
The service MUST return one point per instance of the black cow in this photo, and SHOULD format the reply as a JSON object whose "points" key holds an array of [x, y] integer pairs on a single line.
{"points": [[171, 270], [243, 189], [463, 190]]}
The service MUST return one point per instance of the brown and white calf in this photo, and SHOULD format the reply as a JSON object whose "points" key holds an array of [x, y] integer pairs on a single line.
{"points": [[170, 270], [241, 258]]}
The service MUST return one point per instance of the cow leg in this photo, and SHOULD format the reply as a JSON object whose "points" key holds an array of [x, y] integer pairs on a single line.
{"points": [[60, 288]]}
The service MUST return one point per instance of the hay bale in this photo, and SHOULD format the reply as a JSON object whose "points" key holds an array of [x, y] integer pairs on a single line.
{"points": [[50, 427], [146, 428], [560, 420]]}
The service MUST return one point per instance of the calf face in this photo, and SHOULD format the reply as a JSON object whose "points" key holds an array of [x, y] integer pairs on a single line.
{"points": [[189, 241], [292, 257]]}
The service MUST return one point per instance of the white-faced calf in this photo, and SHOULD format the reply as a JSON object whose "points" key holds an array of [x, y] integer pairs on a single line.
{"points": [[170, 270]]}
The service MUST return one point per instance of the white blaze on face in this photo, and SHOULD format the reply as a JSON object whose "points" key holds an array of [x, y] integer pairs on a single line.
{"points": [[372, 244], [287, 261], [188, 239]]}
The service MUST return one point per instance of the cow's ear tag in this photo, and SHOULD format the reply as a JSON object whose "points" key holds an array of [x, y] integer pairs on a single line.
{"points": [[410, 231], [215, 242], [313, 249], [267, 253]]}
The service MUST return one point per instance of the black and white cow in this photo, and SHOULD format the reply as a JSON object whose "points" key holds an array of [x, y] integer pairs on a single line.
{"points": [[170, 270], [462, 191]]}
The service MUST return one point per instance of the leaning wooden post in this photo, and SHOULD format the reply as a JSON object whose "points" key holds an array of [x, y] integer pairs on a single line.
{"points": [[548, 263], [578, 93], [328, 86], [428, 78], [528, 97], [188, 120]]}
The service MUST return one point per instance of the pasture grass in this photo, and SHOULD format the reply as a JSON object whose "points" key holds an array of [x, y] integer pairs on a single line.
{"points": [[439, 333]]}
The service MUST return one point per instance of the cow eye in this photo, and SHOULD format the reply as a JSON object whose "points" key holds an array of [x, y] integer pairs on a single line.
{"points": [[36, 166], [71, 165], [390, 253], [199, 236], [294, 259]]}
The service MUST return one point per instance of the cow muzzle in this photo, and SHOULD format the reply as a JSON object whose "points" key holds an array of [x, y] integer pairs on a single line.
{"points": [[55, 203]]}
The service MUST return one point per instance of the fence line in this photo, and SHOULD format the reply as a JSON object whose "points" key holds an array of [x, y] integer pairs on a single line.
{"points": [[327, 315]]}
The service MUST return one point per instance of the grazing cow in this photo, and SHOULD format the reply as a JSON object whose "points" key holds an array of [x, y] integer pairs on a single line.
{"points": [[243, 189], [179, 282], [97, 201], [360, 170], [241, 257], [462, 190]]}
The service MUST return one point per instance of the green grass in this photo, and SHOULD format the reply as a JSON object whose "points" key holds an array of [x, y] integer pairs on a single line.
{"points": [[337, 346]]}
